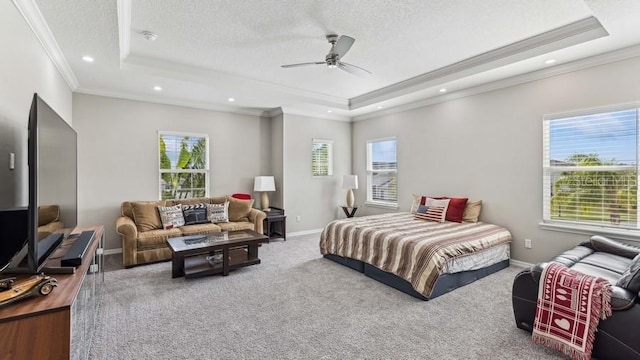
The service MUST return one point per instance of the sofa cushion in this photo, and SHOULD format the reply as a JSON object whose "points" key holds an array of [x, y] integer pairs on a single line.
{"points": [[601, 243], [218, 199], [235, 226], [630, 279], [239, 209], [207, 228], [48, 214], [127, 209], [195, 214], [171, 216], [146, 215], [155, 238], [218, 213]]}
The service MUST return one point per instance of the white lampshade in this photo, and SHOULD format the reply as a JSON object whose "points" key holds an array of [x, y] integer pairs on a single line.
{"points": [[264, 183], [349, 181]]}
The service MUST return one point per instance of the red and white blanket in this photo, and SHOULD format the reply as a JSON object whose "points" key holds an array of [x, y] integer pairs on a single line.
{"points": [[570, 306]]}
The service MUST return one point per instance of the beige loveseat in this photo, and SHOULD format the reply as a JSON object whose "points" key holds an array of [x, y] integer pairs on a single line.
{"points": [[144, 240]]}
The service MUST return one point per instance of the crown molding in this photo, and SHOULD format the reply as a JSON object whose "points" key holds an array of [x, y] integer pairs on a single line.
{"points": [[165, 101], [596, 60], [559, 38], [286, 110], [124, 28], [221, 79], [32, 15]]}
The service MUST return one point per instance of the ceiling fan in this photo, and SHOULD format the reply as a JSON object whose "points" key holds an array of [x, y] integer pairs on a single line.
{"points": [[339, 47]]}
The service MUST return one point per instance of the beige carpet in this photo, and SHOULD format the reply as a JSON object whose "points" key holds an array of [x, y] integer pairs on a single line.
{"points": [[298, 305]]}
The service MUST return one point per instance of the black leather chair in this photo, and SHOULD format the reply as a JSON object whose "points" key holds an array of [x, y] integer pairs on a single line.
{"points": [[617, 337]]}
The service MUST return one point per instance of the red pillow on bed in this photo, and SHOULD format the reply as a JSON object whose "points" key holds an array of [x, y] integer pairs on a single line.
{"points": [[455, 209]]}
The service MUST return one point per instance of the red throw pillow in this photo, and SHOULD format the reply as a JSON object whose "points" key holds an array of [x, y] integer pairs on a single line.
{"points": [[455, 209]]}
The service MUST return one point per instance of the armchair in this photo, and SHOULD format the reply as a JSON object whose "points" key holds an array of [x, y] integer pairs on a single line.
{"points": [[617, 337]]}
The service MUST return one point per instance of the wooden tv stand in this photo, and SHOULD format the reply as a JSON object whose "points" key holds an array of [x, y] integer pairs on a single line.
{"points": [[59, 325]]}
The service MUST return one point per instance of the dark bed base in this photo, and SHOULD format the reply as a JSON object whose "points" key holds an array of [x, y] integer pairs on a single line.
{"points": [[444, 284]]}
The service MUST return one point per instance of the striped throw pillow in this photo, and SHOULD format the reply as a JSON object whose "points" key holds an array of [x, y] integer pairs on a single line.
{"points": [[430, 213]]}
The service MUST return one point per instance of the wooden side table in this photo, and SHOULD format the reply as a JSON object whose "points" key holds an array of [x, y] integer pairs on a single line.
{"points": [[275, 224], [349, 211]]}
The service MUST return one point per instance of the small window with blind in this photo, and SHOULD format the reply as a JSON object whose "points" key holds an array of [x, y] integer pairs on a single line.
{"points": [[382, 172], [184, 165], [590, 167], [322, 158]]}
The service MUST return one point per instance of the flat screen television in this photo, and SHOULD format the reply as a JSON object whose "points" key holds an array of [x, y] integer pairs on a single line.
{"points": [[52, 180]]}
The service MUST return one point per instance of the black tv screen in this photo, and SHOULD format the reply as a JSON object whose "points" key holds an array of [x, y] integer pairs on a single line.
{"points": [[52, 180]]}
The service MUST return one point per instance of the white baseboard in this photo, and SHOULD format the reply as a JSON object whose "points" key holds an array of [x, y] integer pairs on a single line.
{"points": [[305, 232], [518, 263]]}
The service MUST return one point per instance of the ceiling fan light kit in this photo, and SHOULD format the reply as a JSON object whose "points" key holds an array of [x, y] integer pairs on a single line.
{"points": [[339, 47]]}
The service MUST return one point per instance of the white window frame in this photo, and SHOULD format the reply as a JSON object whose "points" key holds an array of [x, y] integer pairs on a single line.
{"points": [[627, 233], [369, 168], [205, 171], [329, 164]]}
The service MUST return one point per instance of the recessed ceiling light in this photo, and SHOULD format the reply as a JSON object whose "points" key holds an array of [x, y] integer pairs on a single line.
{"points": [[443, 90], [329, 111], [231, 99], [157, 88], [87, 58], [379, 107], [549, 61]]}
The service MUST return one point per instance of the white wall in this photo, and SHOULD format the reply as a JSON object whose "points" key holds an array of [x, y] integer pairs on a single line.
{"points": [[489, 147], [315, 200], [25, 68], [118, 152]]}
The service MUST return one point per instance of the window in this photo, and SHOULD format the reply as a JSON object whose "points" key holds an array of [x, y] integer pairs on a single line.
{"points": [[382, 172], [591, 169], [322, 158], [184, 165]]}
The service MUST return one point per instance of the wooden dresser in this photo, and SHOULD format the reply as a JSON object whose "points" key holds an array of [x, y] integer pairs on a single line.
{"points": [[59, 325]]}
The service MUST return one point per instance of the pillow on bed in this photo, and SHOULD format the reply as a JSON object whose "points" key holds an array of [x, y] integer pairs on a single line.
{"points": [[456, 208], [417, 201], [433, 210], [472, 211]]}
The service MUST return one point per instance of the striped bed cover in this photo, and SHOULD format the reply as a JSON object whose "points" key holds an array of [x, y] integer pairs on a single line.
{"points": [[410, 248]]}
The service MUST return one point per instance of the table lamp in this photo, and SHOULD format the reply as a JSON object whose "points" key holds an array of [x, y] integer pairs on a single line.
{"points": [[350, 182], [264, 184]]}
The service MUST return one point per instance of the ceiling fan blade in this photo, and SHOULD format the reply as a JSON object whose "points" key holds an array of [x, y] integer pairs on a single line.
{"points": [[356, 70], [303, 64], [343, 45]]}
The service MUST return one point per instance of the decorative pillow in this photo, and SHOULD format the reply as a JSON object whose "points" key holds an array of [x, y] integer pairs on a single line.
{"points": [[455, 211], [218, 213], [417, 201], [630, 279], [195, 214], [430, 213], [146, 216], [239, 209], [171, 216], [472, 211]]}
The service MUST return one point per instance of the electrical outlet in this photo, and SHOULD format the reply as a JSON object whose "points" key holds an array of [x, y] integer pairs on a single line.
{"points": [[527, 243], [298, 218]]}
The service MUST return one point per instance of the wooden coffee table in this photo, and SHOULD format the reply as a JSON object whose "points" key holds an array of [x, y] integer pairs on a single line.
{"points": [[193, 256]]}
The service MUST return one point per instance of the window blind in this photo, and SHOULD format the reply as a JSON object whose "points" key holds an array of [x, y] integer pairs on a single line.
{"points": [[322, 158], [590, 169], [183, 164], [382, 171]]}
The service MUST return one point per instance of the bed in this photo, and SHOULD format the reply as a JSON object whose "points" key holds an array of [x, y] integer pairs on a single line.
{"points": [[425, 259]]}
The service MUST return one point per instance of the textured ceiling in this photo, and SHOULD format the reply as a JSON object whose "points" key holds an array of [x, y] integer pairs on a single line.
{"points": [[208, 51]]}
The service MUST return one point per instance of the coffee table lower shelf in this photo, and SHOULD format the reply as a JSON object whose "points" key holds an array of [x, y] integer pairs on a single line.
{"points": [[197, 265]]}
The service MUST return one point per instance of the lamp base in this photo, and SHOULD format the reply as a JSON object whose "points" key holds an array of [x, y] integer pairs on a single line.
{"points": [[264, 201], [350, 198]]}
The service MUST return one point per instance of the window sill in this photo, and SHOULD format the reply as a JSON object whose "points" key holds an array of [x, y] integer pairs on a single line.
{"points": [[624, 234], [383, 205]]}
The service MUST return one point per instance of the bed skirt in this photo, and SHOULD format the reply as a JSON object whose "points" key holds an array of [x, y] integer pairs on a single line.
{"points": [[444, 284]]}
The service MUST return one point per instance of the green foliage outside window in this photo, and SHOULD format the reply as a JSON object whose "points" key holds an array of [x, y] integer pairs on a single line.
{"points": [[183, 166]]}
